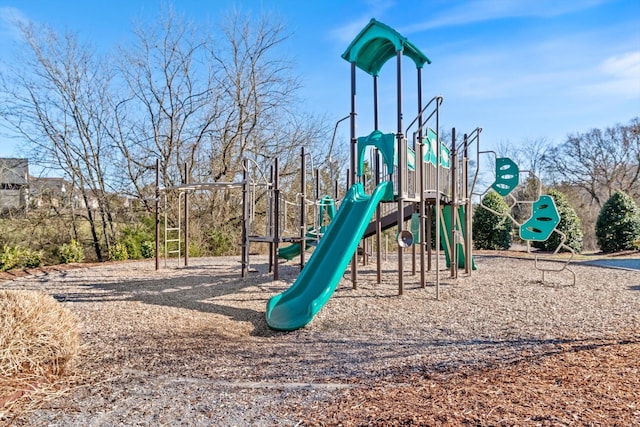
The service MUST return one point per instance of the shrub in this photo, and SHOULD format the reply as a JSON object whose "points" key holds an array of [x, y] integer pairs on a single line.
{"points": [[71, 252], [10, 257], [148, 249], [134, 237], [569, 224], [618, 224], [31, 258], [15, 256], [132, 246], [491, 231], [220, 243], [196, 250], [118, 252]]}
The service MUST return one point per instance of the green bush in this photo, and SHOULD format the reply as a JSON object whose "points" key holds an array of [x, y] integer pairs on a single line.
{"points": [[10, 257], [618, 224], [196, 250], [133, 238], [118, 252], [569, 224], [148, 249], [71, 252], [31, 258], [491, 231], [15, 257], [133, 247], [220, 243]]}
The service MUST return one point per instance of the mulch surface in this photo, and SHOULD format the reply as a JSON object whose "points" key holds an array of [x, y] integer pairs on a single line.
{"points": [[595, 383]]}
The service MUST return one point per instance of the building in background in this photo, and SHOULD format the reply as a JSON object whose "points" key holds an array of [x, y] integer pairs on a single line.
{"points": [[14, 185]]}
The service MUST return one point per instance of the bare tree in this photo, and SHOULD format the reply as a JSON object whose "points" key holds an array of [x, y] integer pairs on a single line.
{"points": [[259, 96], [202, 97], [530, 154], [600, 162], [169, 101], [54, 98], [207, 99]]}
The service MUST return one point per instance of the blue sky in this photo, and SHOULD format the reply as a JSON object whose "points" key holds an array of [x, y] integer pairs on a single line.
{"points": [[520, 69]]}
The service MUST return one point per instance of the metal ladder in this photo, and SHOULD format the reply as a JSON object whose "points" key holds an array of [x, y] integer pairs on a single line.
{"points": [[171, 232]]}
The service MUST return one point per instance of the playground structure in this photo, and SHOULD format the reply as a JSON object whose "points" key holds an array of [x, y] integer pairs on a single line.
{"points": [[417, 178], [269, 216], [414, 182], [414, 178], [544, 218]]}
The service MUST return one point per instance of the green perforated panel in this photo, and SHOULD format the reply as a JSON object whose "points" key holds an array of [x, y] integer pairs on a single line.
{"points": [[543, 221], [507, 176]]}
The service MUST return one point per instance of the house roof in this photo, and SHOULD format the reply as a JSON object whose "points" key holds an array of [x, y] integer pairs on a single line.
{"points": [[14, 170]]}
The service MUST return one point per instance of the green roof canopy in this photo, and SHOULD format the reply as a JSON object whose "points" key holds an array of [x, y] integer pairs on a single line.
{"points": [[376, 44]]}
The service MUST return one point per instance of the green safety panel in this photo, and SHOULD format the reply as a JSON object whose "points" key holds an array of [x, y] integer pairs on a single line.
{"points": [[411, 159], [543, 221], [376, 44], [385, 142], [445, 233], [430, 156], [507, 176], [328, 207], [414, 226]]}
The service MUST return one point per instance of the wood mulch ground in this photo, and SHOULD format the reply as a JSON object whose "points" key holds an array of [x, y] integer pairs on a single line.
{"points": [[190, 347], [593, 382]]}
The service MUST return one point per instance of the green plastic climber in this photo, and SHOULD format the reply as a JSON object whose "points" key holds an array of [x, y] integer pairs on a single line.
{"points": [[543, 221], [507, 176]]}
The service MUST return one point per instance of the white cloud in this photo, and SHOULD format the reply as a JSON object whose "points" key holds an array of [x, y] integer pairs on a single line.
{"points": [[346, 32], [624, 66], [9, 18], [618, 75], [487, 10], [374, 8]]}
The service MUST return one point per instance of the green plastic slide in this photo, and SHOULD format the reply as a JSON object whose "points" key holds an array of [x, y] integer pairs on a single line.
{"points": [[328, 210], [295, 307], [291, 251]]}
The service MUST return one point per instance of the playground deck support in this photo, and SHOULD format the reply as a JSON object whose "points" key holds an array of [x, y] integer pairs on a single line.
{"points": [[377, 165], [245, 219], [157, 203], [351, 178], [400, 170], [186, 216], [303, 207], [421, 184], [276, 219]]}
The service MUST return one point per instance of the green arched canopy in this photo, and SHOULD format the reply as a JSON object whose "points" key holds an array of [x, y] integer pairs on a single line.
{"points": [[376, 44]]}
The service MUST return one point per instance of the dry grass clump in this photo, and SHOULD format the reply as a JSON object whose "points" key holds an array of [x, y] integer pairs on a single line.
{"points": [[38, 344]]}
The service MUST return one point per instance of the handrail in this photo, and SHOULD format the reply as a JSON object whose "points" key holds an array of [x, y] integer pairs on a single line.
{"points": [[333, 137], [264, 178], [439, 99], [470, 140]]}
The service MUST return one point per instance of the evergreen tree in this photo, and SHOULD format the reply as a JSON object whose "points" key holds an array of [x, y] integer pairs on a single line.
{"points": [[618, 225], [491, 231], [569, 224]]}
